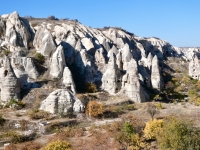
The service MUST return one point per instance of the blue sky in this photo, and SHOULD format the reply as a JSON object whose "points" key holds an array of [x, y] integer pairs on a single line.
{"points": [[176, 21]]}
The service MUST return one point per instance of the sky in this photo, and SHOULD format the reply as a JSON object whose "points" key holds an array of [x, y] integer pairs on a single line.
{"points": [[176, 21]]}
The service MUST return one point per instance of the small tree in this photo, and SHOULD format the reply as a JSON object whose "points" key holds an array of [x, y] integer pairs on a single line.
{"points": [[152, 128], [94, 109], [151, 109]]}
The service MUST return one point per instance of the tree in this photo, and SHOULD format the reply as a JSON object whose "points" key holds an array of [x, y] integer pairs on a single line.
{"points": [[94, 109], [151, 109], [178, 134]]}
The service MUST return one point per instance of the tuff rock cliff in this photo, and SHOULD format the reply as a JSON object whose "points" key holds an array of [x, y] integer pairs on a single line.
{"points": [[115, 60]]}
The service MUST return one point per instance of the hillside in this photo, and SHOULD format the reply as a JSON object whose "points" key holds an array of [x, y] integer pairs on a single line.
{"points": [[52, 70]]}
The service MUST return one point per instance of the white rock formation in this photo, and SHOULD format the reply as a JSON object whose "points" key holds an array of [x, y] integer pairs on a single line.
{"points": [[111, 80], [131, 85], [18, 32], [68, 80], [194, 68], [126, 56], [87, 43], [156, 78], [62, 102], [57, 64], [10, 86], [43, 42]]}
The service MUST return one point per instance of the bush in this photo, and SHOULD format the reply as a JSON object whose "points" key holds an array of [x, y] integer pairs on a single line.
{"points": [[52, 18], [6, 52], [90, 87], [15, 104], [94, 109], [38, 114], [152, 128], [40, 58], [159, 106], [58, 145], [178, 134]]}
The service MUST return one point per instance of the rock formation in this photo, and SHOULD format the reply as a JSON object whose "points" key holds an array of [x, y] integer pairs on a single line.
{"points": [[68, 80], [156, 78], [57, 63], [126, 56], [10, 86], [43, 42], [18, 32], [62, 102], [111, 80], [131, 85], [194, 68]]}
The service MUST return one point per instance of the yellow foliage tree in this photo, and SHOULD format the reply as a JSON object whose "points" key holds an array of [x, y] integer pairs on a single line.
{"points": [[58, 145], [152, 128], [94, 109]]}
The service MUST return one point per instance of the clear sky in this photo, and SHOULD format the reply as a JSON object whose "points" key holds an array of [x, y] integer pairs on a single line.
{"points": [[176, 21]]}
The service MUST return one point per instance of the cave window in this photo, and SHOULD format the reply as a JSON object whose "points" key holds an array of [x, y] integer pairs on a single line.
{"points": [[5, 73]]}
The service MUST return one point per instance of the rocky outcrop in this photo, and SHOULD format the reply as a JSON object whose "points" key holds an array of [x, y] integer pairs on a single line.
{"points": [[87, 43], [113, 50], [62, 102], [25, 70], [111, 80], [43, 42], [130, 83], [57, 63], [194, 68], [126, 56], [10, 86], [156, 78], [18, 31], [68, 80]]}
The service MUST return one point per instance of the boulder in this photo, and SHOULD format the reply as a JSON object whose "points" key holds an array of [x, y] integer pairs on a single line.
{"points": [[68, 80], [156, 78], [62, 102], [57, 64], [10, 86]]}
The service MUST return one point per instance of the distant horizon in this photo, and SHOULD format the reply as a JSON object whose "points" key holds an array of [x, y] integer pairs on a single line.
{"points": [[176, 22]]}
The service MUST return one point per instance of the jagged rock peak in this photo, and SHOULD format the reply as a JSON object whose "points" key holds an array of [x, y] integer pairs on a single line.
{"points": [[18, 31], [156, 78], [57, 63]]}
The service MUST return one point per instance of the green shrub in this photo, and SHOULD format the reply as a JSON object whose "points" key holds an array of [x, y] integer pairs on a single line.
{"points": [[90, 87], [58, 145], [6, 52], [15, 104], [178, 134], [159, 106], [40, 58]]}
